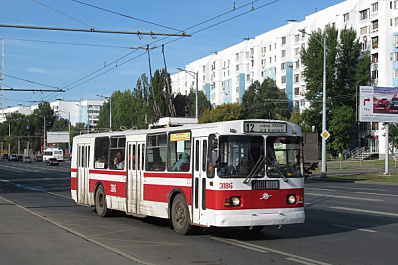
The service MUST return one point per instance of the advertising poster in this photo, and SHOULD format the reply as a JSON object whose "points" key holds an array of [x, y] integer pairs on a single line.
{"points": [[378, 104]]}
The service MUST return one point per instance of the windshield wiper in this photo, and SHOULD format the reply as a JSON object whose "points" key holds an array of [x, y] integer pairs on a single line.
{"points": [[276, 167], [255, 168]]}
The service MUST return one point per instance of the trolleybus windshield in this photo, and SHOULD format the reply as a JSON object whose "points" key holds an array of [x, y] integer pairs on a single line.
{"points": [[241, 156], [283, 157]]}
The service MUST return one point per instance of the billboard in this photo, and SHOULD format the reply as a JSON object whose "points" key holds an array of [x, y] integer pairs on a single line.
{"points": [[378, 104], [57, 137]]}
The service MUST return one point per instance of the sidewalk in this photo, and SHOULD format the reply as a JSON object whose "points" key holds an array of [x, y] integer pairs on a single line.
{"points": [[26, 238]]}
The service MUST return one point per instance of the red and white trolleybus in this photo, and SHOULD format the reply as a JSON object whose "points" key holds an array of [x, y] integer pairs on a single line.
{"points": [[236, 173]]}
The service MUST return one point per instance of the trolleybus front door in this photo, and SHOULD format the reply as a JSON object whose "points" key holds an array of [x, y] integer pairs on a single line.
{"points": [[83, 156], [199, 180], [134, 175]]}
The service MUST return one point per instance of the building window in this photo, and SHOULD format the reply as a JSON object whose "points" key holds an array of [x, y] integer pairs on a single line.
{"points": [[283, 53], [237, 57], [296, 51], [296, 91], [375, 7], [297, 64], [270, 59], [296, 78], [346, 17], [375, 58], [396, 41], [375, 24], [363, 14], [375, 42], [395, 56], [364, 30], [283, 79], [396, 73], [283, 40], [375, 74], [283, 66], [297, 38]]}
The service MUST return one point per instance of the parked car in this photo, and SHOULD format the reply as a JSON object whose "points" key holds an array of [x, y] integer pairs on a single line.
{"points": [[38, 159], [26, 159], [5, 156], [52, 162], [20, 158], [12, 158], [394, 103], [383, 102]]}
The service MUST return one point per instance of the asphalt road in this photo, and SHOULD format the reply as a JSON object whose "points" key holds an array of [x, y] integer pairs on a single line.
{"points": [[346, 223]]}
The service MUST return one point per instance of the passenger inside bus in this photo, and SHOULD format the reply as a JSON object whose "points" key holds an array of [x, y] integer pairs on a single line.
{"points": [[182, 164]]}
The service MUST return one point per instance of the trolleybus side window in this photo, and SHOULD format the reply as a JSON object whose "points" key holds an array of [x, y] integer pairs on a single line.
{"points": [[156, 152], [179, 151], [211, 158], [117, 153], [101, 152], [204, 155]]}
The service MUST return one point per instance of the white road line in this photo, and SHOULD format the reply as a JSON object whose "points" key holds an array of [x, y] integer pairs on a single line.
{"points": [[355, 228], [300, 261], [344, 197], [350, 188], [365, 211], [319, 189], [261, 249], [378, 194]]}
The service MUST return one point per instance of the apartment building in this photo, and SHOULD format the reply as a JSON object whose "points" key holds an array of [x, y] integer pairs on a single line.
{"points": [[84, 111], [224, 76]]}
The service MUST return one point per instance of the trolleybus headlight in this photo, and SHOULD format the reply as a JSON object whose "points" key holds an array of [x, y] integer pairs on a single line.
{"points": [[232, 201], [291, 199], [235, 201]]}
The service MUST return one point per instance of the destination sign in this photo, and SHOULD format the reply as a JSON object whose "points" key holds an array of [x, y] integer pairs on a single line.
{"points": [[264, 127]]}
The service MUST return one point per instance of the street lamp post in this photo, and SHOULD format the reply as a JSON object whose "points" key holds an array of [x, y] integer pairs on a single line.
{"points": [[196, 76], [324, 166]]}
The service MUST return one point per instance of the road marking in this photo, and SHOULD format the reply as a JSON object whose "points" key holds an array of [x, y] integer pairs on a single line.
{"points": [[262, 249], [378, 194], [319, 189], [348, 188], [300, 261], [344, 197], [364, 211], [355, 228]]}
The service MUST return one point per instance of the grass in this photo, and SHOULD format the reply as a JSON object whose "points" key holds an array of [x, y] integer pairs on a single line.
{"points": [[366, 165]]}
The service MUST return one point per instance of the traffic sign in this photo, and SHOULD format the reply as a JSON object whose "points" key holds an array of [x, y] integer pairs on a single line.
{"points": [[325, 135]]}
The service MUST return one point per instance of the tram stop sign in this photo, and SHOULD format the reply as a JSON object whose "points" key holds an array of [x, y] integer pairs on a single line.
{"points": [[325, 135]]}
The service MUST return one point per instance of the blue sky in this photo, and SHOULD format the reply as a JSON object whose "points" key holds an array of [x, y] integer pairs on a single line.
{"points": [[87, 65]]}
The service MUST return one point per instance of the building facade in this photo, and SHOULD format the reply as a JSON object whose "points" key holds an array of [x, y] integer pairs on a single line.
{"points": [[84, 111], [224, 76]]}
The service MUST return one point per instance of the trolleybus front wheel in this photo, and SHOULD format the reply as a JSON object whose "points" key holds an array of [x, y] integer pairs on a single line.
{"points": [[100, 202], [180, 215]]}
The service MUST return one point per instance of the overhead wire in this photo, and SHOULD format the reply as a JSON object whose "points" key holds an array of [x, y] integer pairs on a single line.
{"points": [[63, 13], [127, 16], [70, 86]]}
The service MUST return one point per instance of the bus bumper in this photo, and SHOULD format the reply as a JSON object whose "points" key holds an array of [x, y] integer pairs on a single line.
{"points": [[259, 217]]}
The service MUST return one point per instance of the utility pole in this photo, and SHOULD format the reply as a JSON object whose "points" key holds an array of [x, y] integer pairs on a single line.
{"points": [[2, 76]]}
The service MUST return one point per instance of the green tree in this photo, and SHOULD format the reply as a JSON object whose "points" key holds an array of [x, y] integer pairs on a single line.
{"points": [[224, 112], [265, 101], [345, 70]]}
